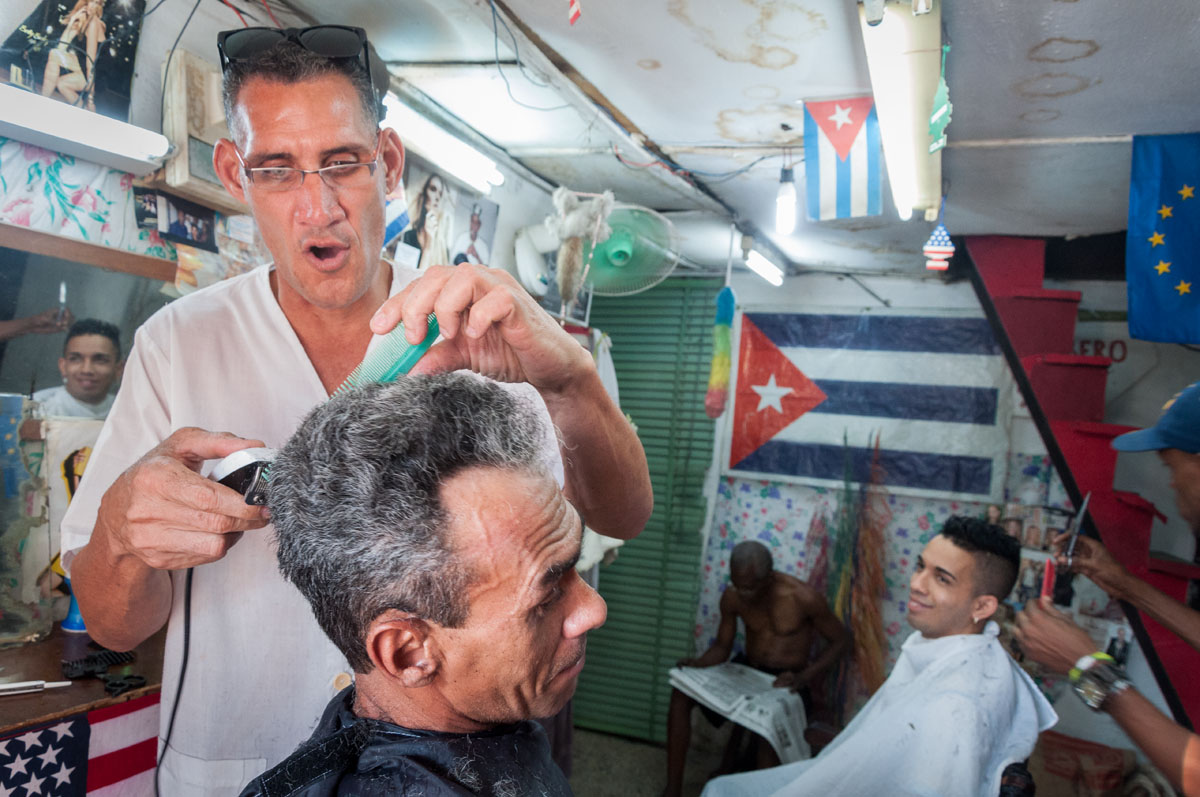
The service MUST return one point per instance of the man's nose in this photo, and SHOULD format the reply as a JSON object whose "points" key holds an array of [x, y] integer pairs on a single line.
{"points": [[317, 202], [588, 610]]}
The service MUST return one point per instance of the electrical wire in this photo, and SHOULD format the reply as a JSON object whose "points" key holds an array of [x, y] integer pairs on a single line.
{"points": [[187, 633], [162, 109], [679, 171], [245, 24], [516, 50], [271, 14], [496, 20]]}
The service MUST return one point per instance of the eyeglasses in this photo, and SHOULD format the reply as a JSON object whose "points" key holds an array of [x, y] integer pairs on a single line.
{"points": [[329, 41], [338, 176]]}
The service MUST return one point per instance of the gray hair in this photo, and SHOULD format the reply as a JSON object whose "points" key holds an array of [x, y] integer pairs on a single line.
{"points": [[288, 62], [355, 497]]}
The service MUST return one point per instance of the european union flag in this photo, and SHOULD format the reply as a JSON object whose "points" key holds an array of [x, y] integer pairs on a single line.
{"points": [[1162, 246]]}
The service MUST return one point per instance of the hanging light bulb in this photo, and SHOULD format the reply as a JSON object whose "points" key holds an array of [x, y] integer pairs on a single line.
{"points": [[785, 202]]}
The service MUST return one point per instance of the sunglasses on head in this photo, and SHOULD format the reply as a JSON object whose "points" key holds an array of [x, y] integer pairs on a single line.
{"points": [[329, 41]]}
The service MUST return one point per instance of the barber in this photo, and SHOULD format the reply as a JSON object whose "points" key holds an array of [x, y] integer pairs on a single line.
{"points": [[240, 363], [1051, 638]]}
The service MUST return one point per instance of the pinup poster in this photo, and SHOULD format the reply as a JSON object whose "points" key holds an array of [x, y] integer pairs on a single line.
{"points": [[77, 51], [438, 221]]}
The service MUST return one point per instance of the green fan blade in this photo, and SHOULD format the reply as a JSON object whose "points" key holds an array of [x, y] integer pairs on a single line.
{"points": [[639, 254]]}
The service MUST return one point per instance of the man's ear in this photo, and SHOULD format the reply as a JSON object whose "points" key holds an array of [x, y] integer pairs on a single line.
{"points": [[62, 367], [401, 647], [392, 153], [984, 606], [228, 167]]}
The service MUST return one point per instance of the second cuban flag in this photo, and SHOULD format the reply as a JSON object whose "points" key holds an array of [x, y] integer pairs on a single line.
{"points": [[842, 159]]}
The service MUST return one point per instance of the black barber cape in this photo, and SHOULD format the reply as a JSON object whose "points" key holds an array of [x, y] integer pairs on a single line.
{"points": [[348, 755]]}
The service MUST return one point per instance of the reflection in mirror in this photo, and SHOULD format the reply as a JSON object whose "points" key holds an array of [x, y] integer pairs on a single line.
{"points": [[30, 284], [41, 463]]}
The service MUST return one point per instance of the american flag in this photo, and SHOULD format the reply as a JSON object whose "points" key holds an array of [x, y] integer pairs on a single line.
{"points": [[938, 249], [109, 752]]}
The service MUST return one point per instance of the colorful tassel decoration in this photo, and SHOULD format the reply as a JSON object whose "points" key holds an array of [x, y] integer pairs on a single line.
{"points": [[718, 375]]}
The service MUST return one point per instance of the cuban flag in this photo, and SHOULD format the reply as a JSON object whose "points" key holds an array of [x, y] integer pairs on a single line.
{"points": [[842, 159], [933, 384]]}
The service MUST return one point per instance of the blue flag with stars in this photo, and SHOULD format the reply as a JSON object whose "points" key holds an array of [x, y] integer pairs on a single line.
{"points": [[1162, 246]]}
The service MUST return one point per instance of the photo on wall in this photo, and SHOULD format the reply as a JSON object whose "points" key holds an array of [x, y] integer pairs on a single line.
{"points": [[186, 222], [441, 222], [79, 52]]}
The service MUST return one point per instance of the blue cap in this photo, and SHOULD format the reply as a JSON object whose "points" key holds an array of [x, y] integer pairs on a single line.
{"points": [[1179, 427]]}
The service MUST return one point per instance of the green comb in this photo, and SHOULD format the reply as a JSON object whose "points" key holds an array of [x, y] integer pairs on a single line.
{"points": [[392, 357]]}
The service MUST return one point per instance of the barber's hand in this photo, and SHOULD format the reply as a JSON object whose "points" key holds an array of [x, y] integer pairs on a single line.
{"points": [[48, 321], [1050, 637], [490, 325], [164, 513], [1094, 561]]}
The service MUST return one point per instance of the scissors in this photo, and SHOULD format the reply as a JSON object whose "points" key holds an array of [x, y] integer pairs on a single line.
{"points": [[1077, 526]]}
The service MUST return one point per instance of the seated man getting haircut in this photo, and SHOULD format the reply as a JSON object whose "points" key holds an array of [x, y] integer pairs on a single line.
{"points": [[437, 551], [956, 709]]}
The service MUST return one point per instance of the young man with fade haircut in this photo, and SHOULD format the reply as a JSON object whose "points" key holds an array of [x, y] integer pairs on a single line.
{"points": [[955, 711], [781, 615], [423, 526], [90, 364], [240, 363]]}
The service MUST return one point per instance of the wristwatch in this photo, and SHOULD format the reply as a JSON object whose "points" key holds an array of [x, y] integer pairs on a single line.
{"points": [[1096, 678]]}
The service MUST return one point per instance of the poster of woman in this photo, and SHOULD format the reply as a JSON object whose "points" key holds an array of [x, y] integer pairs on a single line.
{"points": [[77, 51]]}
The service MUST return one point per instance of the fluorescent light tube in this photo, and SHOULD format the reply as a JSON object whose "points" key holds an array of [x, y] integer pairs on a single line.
{"points": [[57, 126], [764, 268], [904, 58], [443, 150]]}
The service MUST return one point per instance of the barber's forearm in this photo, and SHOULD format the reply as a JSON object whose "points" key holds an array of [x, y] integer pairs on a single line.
{"points": [[606, 471], [1173, 615], [123, 601], [1163, 742]]}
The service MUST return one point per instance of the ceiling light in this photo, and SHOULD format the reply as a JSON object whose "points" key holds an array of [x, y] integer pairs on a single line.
{"points": [[57, 126], [785, 202], [904, 59], [443, 150], [764, 268]]}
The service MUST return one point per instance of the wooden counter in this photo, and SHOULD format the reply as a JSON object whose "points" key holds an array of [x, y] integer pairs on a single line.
{"points": [[42, 661]]}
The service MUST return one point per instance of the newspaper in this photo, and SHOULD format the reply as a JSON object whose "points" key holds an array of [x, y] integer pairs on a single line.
{"points": [[745, 695]]}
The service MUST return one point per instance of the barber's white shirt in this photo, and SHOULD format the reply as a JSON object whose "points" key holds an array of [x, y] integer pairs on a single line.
{"points": [[259, 669]]}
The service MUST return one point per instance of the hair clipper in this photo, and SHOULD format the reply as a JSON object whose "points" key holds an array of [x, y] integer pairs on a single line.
{"points": [[246, 471]]}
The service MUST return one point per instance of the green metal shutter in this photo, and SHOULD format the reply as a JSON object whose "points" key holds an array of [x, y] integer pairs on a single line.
{"points": [[662, 346]]}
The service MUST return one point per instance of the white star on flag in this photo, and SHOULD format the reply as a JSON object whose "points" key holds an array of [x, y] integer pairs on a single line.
{"points": [[63, 775], [17, 767], [49, 756], [61, 730], [841, 116], [34, 786], [770, 395], [31, 740]]}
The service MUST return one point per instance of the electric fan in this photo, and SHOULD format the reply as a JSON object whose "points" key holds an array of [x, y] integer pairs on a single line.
{"points": [[639, 251]]}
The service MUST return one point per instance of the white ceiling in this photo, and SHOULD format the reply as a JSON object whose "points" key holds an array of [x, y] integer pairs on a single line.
{"points": [[1045, 93]]}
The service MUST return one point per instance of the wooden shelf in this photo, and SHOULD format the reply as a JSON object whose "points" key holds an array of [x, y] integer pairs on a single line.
{"points": [[44, 243]]}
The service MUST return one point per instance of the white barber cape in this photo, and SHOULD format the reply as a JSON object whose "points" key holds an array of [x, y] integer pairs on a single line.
{"points": [[952, 715]]}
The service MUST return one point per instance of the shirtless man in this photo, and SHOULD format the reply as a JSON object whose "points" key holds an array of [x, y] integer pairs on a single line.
{"points": [[780, 613]]}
